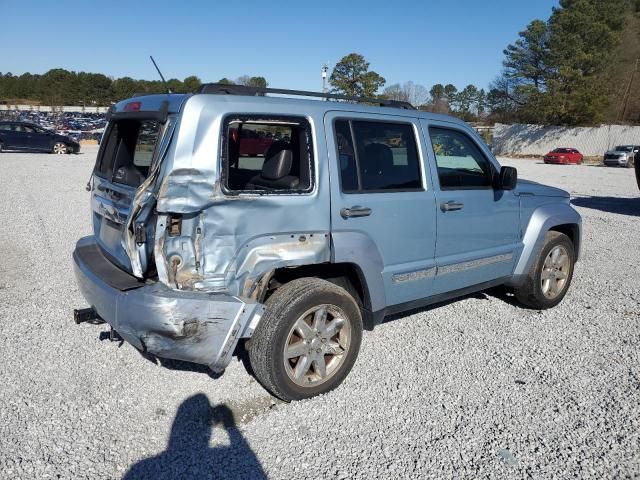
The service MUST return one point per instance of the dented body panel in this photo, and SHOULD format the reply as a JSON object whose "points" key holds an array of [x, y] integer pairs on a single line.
{"points": [[204, 257]]}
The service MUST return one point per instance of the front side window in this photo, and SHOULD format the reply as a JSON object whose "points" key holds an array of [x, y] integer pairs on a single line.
{"points": [[460, 162], [377, 156], [267, 155]]}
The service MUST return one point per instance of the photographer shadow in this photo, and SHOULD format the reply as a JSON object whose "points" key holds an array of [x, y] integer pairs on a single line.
{"points": [[188, 454]]}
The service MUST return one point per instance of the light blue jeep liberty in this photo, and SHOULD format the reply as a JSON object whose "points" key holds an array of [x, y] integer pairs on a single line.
{"points": [[253, 220]]}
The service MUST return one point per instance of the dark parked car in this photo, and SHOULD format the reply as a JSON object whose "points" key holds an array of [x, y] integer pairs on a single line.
{"points": [[31, 137], [564, 156]]}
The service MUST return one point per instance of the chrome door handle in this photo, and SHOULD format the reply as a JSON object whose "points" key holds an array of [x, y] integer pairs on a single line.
{"points": [[451, 205], [355, 211]]}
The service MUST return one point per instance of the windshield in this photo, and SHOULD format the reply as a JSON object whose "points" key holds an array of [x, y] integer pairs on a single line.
{"points": [[624, 148]]}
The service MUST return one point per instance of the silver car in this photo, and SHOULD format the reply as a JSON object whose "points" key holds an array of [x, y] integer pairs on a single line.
{"points": [[621, 156]]}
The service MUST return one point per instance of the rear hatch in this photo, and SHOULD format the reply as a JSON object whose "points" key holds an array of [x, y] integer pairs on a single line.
{"points": [[124, 178]]}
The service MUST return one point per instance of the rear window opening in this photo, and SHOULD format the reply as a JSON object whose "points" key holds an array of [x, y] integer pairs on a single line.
{"points": [[267, 155], [128, 150]]}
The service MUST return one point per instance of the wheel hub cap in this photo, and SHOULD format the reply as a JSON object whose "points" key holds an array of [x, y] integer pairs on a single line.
{"points": [[317, 345], [555, 272]]}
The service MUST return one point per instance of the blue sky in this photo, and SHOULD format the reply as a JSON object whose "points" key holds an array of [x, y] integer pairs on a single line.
{"points": [[430, 41]]}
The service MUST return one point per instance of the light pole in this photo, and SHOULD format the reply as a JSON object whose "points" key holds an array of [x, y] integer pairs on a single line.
{"points": [[325, 69]]}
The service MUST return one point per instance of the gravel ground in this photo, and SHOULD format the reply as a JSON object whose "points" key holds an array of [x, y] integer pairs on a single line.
{"points": [[475, 388]]}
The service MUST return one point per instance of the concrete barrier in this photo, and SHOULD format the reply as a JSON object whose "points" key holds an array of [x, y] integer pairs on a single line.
{"points": [[519, 139]]}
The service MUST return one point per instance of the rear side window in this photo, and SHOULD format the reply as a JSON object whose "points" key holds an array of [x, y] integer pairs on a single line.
{"points": [[460, 162], [127, 151], [377, 156], [267, 154]]}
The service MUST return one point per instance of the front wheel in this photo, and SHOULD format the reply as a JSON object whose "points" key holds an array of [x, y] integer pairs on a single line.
{"points": [[550, 276], [59, 148], [307, 340]]}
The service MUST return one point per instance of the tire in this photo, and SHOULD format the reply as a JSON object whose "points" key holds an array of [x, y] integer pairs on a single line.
{"points": [[637, 169], [1, 147], [303, 301], [59, 148], [539, 294]]}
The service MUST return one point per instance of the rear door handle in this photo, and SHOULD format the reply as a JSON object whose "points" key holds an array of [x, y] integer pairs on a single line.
{"points": [[355, 211], [451, 205]]}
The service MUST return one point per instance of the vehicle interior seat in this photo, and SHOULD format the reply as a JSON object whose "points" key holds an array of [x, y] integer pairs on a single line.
{"points": [[378, 168], [276, 170]]}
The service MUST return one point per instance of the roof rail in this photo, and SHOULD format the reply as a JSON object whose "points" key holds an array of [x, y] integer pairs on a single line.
{"points": [[222, 88]]}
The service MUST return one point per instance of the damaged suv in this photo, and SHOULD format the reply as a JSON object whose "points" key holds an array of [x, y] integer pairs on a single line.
{"points": [[232, 218]]}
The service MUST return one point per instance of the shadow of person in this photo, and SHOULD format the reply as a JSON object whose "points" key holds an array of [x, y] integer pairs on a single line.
{"points": [[188, 454]]}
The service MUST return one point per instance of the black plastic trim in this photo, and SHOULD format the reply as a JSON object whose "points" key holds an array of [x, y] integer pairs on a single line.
{"points": [[94, 259], [378, 316]]}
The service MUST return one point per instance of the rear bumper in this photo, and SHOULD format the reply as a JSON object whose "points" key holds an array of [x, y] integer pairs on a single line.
{"points": [[192, 326]]}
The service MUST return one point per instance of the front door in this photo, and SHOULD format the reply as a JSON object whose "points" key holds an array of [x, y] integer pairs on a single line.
{"points": [[478, 226], [382, 204]]}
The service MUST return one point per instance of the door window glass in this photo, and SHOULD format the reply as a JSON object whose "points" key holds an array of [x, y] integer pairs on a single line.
{"points": [[460, 162], [377, 156]]}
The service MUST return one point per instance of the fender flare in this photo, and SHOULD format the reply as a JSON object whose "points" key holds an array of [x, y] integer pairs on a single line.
{"points": [[543, 219]]}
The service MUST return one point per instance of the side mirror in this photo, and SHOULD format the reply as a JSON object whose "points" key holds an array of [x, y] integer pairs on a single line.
{"points": [[507, 179]]}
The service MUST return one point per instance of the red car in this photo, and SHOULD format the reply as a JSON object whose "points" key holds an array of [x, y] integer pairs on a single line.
{"points": [[251, 143], [564, 156]]}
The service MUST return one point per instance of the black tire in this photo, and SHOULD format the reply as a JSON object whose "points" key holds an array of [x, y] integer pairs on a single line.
{"points": [[637, 169], [283, 310], [1, 147], [531, 292]]}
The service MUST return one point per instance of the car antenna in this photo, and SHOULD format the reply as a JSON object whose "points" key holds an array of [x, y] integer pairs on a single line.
{"points": [[160, 73]]}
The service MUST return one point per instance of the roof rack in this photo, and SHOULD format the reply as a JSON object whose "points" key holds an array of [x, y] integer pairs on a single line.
{"points": [[222, 89]]}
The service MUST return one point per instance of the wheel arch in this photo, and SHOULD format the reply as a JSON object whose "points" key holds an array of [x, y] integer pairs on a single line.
{"points": [[551, 217], [346, 275]]}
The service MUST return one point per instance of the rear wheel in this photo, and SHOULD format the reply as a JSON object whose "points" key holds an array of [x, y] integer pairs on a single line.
{"points": [[307, 340], [550, 276], [59, 148]]}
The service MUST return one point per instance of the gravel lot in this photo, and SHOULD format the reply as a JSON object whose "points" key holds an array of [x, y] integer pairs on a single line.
{"points": [[474, 388]]}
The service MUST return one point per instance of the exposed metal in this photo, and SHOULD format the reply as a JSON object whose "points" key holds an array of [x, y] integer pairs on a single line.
{"points": [[215, 253], [317, 345]]}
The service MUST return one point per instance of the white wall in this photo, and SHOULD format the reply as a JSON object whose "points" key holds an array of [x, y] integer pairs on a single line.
{"points": [[537, 140]]}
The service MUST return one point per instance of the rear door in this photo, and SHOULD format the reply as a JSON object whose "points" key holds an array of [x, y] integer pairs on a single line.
{"points": [[382, 205], [126, 157], [478, 227], [8, 135]]}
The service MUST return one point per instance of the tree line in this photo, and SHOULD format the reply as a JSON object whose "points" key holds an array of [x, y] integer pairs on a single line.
{"points": [[63, 87]]}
